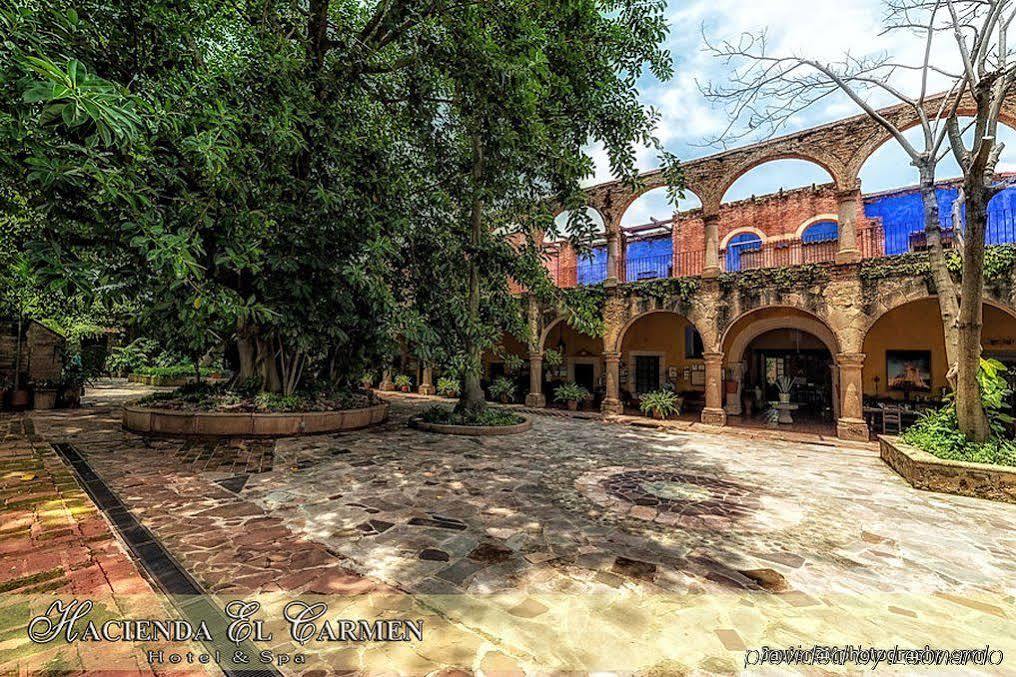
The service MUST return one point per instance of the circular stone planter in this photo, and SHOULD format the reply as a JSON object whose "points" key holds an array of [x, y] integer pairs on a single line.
{"points": [[151, 421], [472, 430]]}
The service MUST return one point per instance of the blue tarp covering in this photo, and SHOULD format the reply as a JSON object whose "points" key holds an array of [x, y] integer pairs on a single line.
{"points": [[821, 231], [593, 270], [902, 214], [649, 259]]}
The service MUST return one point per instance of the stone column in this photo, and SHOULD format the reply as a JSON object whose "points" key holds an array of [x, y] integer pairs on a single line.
{"points": [[714, 414], [612, 374], [851, 425], [536, 398], [712, 234], [614, 256], [849, 202], [427, 381], [835, 380], [386, 381], [733, 405]]}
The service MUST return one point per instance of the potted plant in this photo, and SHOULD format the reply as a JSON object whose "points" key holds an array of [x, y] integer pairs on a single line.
{"points": [[403, 383], [448, 387], [513, 363], [44, 394], [366, 380], [571, 393], [72, 382], [784, 384], [502, 390], [660, 404]]}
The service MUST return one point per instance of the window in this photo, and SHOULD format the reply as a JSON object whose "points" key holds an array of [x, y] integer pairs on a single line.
{"points": [[740, 244], [693, 347], [647, 373], [821, 231]]}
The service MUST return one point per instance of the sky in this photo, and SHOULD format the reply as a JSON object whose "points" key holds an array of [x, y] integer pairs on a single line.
{"points": [[821, 29]]}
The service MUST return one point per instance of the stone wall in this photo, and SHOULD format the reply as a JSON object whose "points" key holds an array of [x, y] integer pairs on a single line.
{"points": [[924, 471], [41, 352]]}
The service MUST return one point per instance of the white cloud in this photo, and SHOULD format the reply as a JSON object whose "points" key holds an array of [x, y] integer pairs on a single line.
{"points": [[824, 29]]}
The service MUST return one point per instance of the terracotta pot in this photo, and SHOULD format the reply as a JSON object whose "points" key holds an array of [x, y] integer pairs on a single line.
{"points": [[20, 398], [573, 405], [45, 399], [504, 399], [406, 389]]}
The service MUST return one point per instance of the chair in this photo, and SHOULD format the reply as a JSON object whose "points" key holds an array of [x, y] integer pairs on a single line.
{"points": [[892, 417]]}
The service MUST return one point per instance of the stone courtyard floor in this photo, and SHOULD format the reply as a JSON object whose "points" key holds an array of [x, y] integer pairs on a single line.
{"points": [[578, 546]]}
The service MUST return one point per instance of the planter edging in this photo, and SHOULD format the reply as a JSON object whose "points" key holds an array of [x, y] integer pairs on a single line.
{"points": [[964, 478], [154, 421], [471, 430]]}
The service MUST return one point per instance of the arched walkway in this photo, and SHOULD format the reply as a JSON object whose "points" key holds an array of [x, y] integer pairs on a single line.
{"points": [[565, 355], [770, 347], [904, 354], [656, 350]]}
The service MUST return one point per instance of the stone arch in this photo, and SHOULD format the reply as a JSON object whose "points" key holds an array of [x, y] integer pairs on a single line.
{"points": [[618, 341], [622, 207], [737, 172], [881, 137], [800, 319], [740, 231]]}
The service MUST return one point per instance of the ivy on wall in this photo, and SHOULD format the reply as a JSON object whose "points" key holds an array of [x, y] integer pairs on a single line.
{"points": [[784, 278], [671, 289]]}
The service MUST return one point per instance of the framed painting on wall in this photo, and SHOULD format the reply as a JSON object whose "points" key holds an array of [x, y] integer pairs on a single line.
{"points": [[908, 370]]}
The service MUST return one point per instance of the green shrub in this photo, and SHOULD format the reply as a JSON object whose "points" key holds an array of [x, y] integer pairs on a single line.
{"points": [[502, 389], [402, 381], [448, 387], [174, 371], [660, 404], [128, 359], [489, 416], [938, 433], [553, 357], [571, 392]]}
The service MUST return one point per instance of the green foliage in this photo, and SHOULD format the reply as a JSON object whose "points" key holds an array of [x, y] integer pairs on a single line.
{"points": [[784, 278], [571, 392], [553, 357], [660, 404], [512, 363], [219, 397], [674, 289], [938, 432], [583, 308], [128, 359], [502, 389], [488, 417], [448, 387], [402, 381], [175, 371], [306, 189]]}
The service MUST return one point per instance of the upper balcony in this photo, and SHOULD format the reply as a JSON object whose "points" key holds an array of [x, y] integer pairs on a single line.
{"points": [[892, 224]]}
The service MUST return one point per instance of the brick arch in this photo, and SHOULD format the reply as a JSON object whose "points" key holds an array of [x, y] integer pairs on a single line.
{"points": [[809, 222], [809, 322], [618, 340], [740, 231], [775, 155]]}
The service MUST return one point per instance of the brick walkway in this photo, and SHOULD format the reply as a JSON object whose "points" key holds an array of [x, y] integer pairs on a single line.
{"points": [[54, 544]]}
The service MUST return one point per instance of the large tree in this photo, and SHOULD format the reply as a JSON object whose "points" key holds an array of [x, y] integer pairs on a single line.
{"points": [[975, 70]]}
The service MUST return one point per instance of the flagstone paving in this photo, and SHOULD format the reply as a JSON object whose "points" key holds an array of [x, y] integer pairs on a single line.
{"points": [[579, 545]]}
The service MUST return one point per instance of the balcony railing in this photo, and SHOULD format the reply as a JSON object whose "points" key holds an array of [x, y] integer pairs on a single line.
{"points": [[872, 242]]}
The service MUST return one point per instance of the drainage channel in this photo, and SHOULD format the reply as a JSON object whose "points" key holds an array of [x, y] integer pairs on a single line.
{"points": [[186, 595]]}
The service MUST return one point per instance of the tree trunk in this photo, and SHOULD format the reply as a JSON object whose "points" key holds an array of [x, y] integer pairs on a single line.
{"points": [[945, 288], [970, 415], [471, 401]]}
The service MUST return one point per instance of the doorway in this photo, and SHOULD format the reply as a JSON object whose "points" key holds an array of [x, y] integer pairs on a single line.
{"points": [[647, 373], [585, 376]]}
